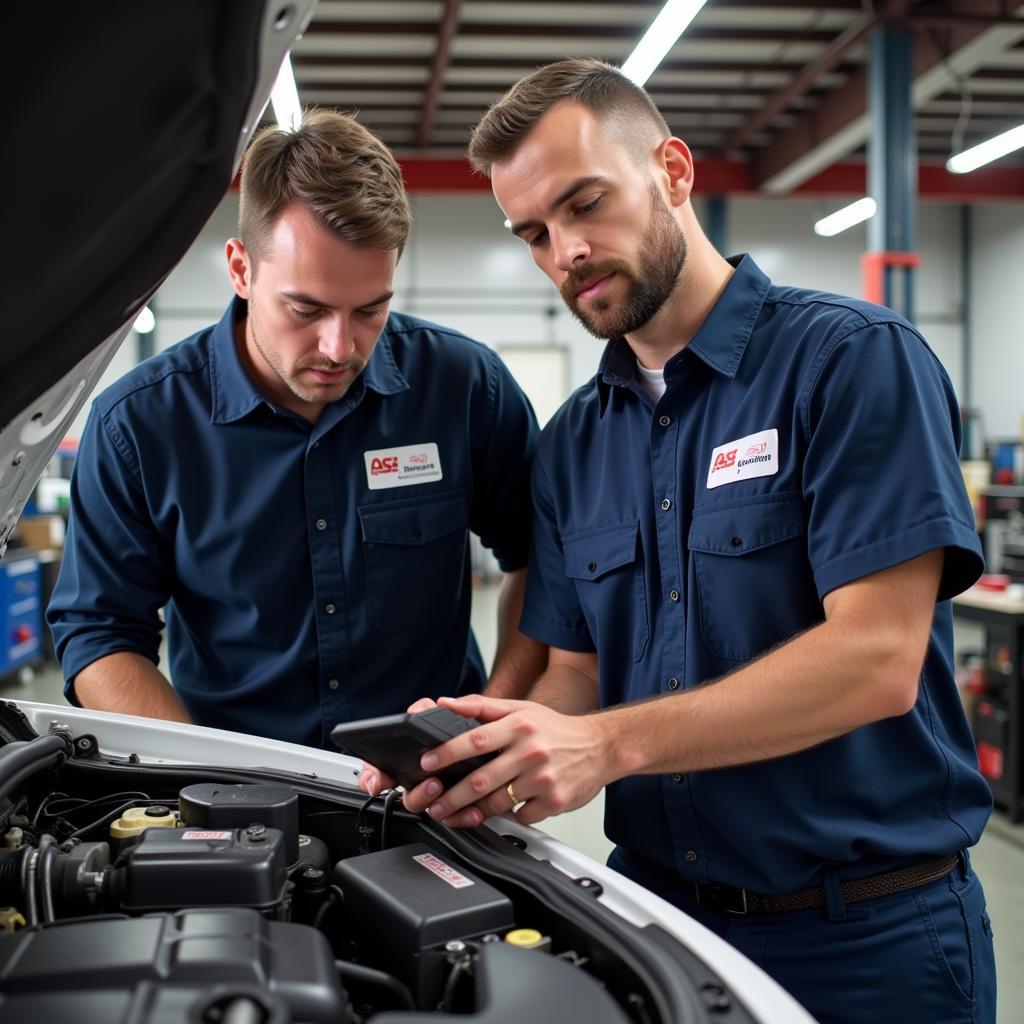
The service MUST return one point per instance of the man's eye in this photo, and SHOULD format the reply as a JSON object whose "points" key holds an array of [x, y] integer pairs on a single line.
{"points": [[303, 315], [539, 239], [589, 207], [371, 313]]}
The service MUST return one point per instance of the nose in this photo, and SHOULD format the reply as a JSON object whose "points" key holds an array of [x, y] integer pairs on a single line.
{"points": [[335, 340], [569, 248]]}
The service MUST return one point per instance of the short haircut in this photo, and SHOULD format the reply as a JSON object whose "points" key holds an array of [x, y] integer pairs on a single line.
{"points": [[598, 86], [341, 172]]}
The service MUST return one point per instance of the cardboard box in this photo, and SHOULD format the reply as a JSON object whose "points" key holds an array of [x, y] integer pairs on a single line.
{"points": [[40, 532]]}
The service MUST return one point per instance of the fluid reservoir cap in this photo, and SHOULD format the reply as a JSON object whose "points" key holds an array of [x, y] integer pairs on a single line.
{"points": [[157, 811], [136, 820], [525, 938]]}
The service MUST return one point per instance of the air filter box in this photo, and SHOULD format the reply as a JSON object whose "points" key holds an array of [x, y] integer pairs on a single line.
{"points": [[407, 902], [172, 869], [213, 805]]}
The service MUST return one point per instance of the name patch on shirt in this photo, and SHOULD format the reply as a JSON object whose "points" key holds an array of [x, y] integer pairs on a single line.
{"points": [[402, 467], [750, 456]]}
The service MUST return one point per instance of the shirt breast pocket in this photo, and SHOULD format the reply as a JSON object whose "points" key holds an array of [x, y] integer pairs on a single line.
{"points": [[754, 582], [608, 571], [415, 558]]}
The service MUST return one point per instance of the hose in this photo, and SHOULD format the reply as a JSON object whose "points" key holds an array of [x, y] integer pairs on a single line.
{"points": [[44, 879], [379, 979], [21, 759]]}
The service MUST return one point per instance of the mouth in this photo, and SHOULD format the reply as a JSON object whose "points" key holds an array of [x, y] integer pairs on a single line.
{"points": [[594, 287], [329, 376]]}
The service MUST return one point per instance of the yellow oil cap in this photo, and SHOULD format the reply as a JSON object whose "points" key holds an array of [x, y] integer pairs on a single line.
{"points": [[136, 820], [525, 938]]}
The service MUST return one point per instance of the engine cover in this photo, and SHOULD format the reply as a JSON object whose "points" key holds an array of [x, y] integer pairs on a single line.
{"points": [[170, 968]]}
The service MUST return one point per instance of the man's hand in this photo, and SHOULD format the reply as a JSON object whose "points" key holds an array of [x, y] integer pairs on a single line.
{"points": [[372, 780], [554, 763]]}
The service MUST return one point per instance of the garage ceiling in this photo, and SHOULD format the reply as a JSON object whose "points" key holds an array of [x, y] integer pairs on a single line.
{"points": [[777, 89]]}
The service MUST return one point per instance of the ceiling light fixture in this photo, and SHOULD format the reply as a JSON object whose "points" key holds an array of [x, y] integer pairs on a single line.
{"points": [[855, 213], [665, 30], [145, 321], [987, 151], [285, 98]]}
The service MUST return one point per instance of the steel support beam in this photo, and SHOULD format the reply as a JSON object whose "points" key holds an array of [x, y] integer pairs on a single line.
{"points": [[892, 167], [438, 66], [839, 125]]}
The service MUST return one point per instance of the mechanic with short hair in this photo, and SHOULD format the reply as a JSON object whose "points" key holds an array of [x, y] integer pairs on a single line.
{"points": [[747, 530], [295, 485]]}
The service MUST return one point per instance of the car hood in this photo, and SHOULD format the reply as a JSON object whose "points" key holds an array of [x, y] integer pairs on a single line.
{"points": [[105, 199]]}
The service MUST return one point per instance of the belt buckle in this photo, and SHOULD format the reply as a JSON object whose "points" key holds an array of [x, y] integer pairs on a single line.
{"points": [[719, 897]]}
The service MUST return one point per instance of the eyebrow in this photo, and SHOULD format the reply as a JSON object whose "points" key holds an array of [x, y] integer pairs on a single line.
{"points": [[567, 193], [309, 300]]}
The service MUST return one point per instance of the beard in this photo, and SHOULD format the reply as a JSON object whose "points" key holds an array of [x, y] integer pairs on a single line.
{"points": [[315, 393], [649, 284]]}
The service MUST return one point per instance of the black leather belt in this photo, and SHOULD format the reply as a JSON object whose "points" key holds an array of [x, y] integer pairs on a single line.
{"points": [[729, 900]]}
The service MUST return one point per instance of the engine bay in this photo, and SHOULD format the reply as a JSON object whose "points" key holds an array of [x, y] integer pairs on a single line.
{"points": [[132, 892]]}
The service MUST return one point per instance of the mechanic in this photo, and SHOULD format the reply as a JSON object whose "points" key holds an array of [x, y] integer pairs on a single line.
{"points": [[747, 530], [295, 485]]}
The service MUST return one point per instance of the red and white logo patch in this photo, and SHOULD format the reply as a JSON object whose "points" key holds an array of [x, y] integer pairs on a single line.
{"points": [[443, 871], [751, 456], [402, 467]]}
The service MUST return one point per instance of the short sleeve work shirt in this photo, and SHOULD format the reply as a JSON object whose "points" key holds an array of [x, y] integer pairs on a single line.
{"points": [[804, 440], [311, 574]]}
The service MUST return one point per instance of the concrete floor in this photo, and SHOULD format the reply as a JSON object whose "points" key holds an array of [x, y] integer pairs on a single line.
{"points": [[998, 858]]}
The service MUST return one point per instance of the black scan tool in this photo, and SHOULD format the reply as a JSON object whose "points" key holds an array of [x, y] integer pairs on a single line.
{"points": [[395, 743]]}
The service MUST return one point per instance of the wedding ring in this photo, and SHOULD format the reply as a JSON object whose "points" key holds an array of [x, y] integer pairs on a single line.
{"points": [[512, 795]]}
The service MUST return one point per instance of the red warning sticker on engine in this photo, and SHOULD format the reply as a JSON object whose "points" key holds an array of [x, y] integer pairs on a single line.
{"points": [[443, 871], [201, 834]]}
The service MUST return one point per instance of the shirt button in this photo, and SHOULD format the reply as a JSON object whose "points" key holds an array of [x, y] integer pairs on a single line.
{"points": [[321, 524], [690, 856], [737, 542], [333, 683], [330, 609], [673, 683], [677, 777], [592, 567], [666, 504], [673, 594], [664, 420], [316, 444]]}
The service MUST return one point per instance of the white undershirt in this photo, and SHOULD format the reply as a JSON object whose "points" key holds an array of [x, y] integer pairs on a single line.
{"points": [[652, 381]]}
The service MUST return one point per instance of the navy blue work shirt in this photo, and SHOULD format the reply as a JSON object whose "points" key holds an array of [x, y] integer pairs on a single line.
{"points": [[804, 441], [312, 574]]}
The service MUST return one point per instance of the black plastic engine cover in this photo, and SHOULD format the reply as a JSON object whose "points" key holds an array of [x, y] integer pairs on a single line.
{"points": [[169, 968], [172, 869], [408, 902]]}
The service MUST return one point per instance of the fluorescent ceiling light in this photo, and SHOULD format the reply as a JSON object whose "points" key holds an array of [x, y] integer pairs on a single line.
{"points": [[285, 98], [145, 321], [845, 218], [666, 28], [987, 151]]}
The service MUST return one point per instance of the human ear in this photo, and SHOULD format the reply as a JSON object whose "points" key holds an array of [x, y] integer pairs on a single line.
{"points": [[239, 267], [676, 163]]}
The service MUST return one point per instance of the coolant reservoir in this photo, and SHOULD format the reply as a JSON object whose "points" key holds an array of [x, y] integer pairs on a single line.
{"points": [[136, 820]]}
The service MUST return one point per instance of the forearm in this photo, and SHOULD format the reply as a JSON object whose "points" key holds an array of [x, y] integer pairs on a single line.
{"points": [[518, 659], [130, 685], [820, 685]]}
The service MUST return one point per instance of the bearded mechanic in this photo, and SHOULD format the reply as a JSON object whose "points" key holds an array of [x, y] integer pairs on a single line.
{"points": [[759, 604]]}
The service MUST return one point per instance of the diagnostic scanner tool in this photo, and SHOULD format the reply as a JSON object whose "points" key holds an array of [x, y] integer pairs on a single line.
{"points": [[395, 743]]}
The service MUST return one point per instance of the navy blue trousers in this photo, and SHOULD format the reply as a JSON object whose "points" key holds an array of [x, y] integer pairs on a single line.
{"points": [[923, 956]]}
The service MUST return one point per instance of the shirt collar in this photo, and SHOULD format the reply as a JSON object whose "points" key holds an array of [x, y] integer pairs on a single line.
{"points": [[235, 394], [720, 341]]}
